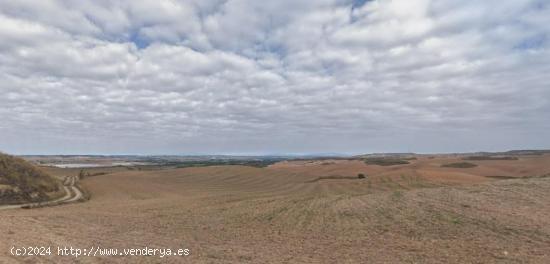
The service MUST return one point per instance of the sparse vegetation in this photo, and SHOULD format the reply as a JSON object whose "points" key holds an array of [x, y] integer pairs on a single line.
{"points": [[462, 165], [361, 176], [252, 163], [490, 158], [23, 182], [85, 174], [334, 177], [397, 195], [503, 177], [385, 161]]}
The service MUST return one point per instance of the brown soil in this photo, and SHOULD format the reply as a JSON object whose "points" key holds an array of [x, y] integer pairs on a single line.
{"points": [[415, 213]]}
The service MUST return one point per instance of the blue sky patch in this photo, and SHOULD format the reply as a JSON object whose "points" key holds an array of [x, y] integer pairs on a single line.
{"points": [[359, 3], [535, 42], [140, 42]]}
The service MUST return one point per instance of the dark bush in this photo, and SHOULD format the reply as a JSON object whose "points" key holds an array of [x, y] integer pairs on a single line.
{"points": [[385, 161], [459, 165], [361, 176]]}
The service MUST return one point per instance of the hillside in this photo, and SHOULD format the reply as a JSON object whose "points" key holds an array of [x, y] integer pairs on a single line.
{"points": [[22, 182], [306, 211]]}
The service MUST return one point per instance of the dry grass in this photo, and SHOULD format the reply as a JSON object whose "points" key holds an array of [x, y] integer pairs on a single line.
{"points": [[23, 182]]}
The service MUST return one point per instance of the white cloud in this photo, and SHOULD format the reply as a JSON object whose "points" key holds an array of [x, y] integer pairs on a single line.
{"points": [[285, 76]]}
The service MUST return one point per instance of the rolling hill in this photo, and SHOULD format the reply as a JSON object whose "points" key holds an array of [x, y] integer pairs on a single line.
{"points": [[21, 182]]}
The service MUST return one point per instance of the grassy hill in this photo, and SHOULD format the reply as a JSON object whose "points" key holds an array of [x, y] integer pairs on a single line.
{"points": [[22, 182]]}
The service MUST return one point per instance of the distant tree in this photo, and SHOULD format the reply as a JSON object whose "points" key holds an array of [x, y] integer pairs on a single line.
{"points": [[361, 176], [81, 174]]}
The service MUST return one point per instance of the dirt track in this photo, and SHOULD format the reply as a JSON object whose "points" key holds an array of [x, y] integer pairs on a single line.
{"points": [[72, 194]]}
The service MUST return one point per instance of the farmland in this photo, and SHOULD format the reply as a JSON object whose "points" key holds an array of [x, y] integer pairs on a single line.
{"points": [[306, 211]]}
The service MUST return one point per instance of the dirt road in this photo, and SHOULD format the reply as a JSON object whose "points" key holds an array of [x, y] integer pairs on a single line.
{"points": [[72, 194]]}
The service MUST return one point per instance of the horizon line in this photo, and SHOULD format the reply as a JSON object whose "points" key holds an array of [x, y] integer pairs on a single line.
{"points": [[328, 154]]}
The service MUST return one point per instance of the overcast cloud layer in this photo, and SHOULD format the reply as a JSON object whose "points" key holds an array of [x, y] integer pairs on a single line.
{"points": [[264, 77]]}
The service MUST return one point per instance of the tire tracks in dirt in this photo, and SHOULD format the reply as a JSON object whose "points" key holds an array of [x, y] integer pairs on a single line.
{"points": [[72, 194]]}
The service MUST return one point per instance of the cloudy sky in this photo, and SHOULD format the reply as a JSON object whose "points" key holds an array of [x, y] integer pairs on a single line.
{"points": [[266, 77]]}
